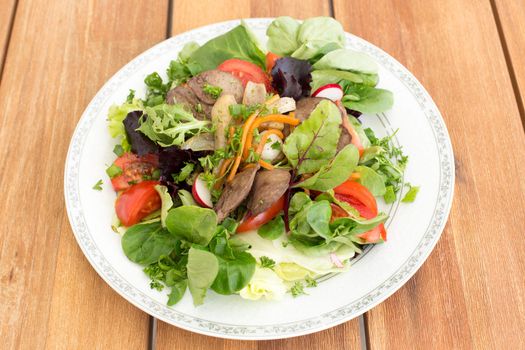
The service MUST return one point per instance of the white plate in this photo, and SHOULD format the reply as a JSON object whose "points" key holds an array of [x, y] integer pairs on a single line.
{"points": [[413, 228]]}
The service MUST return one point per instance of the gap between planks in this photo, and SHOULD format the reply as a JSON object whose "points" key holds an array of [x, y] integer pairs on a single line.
{"points": [[508, 61], [152, 328], [8, 40]]}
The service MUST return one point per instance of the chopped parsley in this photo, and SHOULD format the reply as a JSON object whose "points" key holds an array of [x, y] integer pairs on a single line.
{"points": [[267, 262], [310, 282], [276, 145], [390, 195], [184, 172], [240, 111], [198, 108], [98, 186], [410, 196], [113, 171], [297, 289], [118, 150], [213, 91], [131, 96]]}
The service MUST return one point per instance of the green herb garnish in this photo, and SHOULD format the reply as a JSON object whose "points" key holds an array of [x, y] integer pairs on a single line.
{"points": [[113, 171], [213, 91], [98, 186], [118, 150], [410, 196], [297, 289], [267, 262]]}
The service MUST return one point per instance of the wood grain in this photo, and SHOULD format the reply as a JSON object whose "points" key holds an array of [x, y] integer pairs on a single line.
{"points": [[511, 14], [7, 8], [61, 52], [469, 294], [184, 17]]}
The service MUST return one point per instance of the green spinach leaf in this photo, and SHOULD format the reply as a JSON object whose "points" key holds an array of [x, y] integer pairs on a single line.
{"points": [[146, 243], [318, 217], [192, 224], [177, 292], [237, 43], [234, 274], [273, 229]]}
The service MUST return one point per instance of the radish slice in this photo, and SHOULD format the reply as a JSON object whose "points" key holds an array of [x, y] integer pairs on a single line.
{"points": [[332, 92], [337, 262], [201, 193]]}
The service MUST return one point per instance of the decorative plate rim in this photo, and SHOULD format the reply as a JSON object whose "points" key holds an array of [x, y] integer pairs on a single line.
{"points": [[284, 330]]}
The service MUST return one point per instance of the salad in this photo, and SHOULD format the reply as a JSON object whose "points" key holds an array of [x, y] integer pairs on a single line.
{"points": [[247, 171]]}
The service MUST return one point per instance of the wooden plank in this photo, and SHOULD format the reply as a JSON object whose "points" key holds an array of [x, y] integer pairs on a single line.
{"points": [[191, 14], [469, 294], [7, 8], [511, 15], [60, 54]]}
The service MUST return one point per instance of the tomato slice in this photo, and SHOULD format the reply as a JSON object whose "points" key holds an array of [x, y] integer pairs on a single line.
{"points": [[337, 212], [270, 60], [134, 168], [359, 197], [254, 222], [373, 236], [245, 71], [137, 202]]}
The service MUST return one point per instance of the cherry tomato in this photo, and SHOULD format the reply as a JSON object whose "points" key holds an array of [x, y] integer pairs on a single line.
{"points": [[270, 60], [134, 168], [245, 71], [357, 196], [254, 222], [137, 202], [374, 234]]}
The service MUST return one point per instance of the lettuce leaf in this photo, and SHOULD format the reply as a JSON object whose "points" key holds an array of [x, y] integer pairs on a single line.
{"points": [[116, 116], [371, 180], [334, 173], [347, 60], [282, 36], [308, 40], [237, 43], [313, 143], [366, 99], [170, 125], [202, 268], [323, 77], [315, 33]]}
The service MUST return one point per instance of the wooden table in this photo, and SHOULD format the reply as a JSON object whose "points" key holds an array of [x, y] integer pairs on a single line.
{"points": [[55, 55]]}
